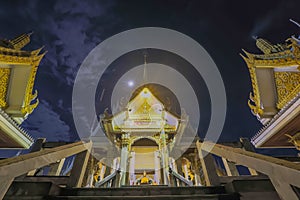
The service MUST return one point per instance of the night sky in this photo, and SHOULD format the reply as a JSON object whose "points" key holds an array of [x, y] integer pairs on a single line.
{"points": [[69, 30]]}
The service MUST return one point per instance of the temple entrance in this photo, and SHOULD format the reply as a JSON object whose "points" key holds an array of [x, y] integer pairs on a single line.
{"points": [[145, 163]]}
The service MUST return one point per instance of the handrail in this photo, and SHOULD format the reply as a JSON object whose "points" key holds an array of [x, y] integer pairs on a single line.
{"points": [[179, 177], [107, 179], [283, 174]]}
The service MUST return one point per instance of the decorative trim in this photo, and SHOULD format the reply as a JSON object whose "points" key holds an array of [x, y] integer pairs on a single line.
{"points": [[258, 139], [287, 85], [4, 80], [27, 140]]}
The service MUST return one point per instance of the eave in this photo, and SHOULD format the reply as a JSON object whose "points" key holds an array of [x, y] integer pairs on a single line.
{"points": [[11, 131], [284, 122]]}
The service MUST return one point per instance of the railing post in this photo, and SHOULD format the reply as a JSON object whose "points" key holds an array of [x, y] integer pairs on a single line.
{"points": [[209, 168], [56, 168], [79, 168], [37, 146], [284, 190], [248, 147], [230, 168], [4, 186]]}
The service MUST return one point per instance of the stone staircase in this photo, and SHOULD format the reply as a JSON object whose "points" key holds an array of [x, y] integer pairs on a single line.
{"points": [[50, 191]]}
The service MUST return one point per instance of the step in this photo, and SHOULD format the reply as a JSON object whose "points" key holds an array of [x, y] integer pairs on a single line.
{"points": [[258, 189], [152, 197], [143, 191]]}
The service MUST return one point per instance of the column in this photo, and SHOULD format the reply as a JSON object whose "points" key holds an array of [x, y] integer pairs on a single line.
{"points": [[124, 158], [164, 157], [196, 168], [157, 175], [185, 169], [131, 168]]}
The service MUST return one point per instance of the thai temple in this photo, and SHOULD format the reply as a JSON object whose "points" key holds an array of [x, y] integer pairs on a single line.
{"points": [[141, 162]]}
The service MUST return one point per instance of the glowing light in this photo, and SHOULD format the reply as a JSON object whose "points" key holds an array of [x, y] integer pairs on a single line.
{"points": [[130, 83]]}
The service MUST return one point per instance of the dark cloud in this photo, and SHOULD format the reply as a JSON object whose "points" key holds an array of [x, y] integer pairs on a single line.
{"points": [[39, 127]]}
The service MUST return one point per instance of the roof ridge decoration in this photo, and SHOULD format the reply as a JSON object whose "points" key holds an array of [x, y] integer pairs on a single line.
{"points": [[21, 41]]}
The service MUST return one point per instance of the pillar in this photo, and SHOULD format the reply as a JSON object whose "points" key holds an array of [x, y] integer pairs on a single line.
{"points": [[196, 168], [186, 170], [124, 158], [164, 157], [157, 175], [131, 168]]}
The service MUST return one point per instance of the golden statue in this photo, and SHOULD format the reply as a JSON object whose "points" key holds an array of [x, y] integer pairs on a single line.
{"points": [[144, 179]]}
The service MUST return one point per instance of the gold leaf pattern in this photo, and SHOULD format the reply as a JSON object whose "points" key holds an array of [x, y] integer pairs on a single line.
{"points": [[4, 80], [287, 85]]}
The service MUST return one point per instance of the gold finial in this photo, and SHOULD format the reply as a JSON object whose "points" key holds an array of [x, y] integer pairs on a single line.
{"points": [[265, 46], [21, 41], [145, 69]]}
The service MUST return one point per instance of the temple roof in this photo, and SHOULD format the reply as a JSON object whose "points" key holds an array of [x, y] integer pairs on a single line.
{"points": [[17, 95], [145, 112], [275, 78]]}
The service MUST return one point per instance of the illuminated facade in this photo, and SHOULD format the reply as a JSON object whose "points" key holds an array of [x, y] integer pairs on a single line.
{"points": [[17, 98], [275, 78], [145, 133]]}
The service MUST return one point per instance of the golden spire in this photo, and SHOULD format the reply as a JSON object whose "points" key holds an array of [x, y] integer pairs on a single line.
{"points": [[145, 69], [264, 45], [21, 41]]}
